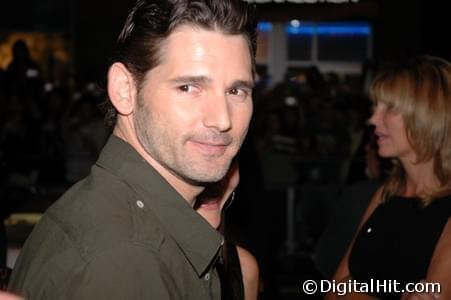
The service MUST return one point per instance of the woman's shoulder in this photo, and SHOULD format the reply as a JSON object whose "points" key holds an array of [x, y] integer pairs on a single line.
{"points": [[249, 269], [249, 265]]}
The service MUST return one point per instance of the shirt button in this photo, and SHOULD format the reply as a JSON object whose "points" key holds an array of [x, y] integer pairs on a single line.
{"points": [[207, 276], [140, 204]]}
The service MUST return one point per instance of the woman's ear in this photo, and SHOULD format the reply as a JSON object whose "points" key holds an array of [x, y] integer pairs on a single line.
{"points": [[121, 89]]}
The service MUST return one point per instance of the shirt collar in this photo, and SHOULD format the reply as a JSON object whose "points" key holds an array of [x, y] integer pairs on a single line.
{"points": [[199, 241]]}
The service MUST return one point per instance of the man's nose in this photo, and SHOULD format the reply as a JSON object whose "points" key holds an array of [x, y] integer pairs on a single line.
{"points": [[216, 113]]}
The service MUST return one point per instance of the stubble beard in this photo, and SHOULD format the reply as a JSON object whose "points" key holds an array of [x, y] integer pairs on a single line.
{"points": [[157, 142]]}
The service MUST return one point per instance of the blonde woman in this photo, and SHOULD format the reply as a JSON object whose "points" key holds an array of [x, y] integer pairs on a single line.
{"points": [[405, 234]]}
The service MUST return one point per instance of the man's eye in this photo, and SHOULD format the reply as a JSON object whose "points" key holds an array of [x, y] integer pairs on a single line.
{"points": [[233, 91], [237, 92], [186, 88]]}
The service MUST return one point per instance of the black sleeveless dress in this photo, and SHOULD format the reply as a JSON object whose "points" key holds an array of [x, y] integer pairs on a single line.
{"points": [[398, 240]]}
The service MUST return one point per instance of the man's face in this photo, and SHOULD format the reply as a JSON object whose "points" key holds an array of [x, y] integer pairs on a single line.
{"points": [[194, 108]]}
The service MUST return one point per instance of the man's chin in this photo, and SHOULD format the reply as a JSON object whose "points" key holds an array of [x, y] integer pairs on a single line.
{"points": [[207, 174], [204, 179]]}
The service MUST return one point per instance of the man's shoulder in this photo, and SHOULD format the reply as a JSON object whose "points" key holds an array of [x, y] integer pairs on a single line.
{"points": [[92, 201], [62, 272], [96, 217], [100, 189], [97, 212]]}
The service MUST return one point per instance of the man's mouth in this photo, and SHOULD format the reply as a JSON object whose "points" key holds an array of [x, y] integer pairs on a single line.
{"points": [[210, 148]]}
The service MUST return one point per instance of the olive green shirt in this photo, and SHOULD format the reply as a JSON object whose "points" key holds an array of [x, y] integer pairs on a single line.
{"points": [[121, 233]]}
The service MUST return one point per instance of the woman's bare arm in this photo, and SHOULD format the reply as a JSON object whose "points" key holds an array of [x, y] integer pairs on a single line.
{"points": [[249, 269]]}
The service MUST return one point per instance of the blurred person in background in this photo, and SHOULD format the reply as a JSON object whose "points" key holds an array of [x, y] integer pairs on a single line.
{"points": [[348, 210], [85, 135], [238, 269], [23, 75]]}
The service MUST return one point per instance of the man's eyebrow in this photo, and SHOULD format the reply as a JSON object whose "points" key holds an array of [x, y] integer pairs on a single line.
{"points": [[191, 80], [243, 84], [204, 79]]}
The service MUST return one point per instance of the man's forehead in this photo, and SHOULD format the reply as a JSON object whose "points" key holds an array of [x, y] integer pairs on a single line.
{"points": [[182, 30], [193, 46]]}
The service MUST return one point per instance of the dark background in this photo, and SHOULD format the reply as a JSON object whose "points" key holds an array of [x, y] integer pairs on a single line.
{"points": [[400, 27]]}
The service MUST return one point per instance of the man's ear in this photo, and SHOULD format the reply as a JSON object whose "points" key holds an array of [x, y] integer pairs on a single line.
{"points": [[121, 88]]}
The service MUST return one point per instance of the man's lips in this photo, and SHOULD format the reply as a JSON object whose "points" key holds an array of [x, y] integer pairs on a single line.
{"points": [[210, 148]]}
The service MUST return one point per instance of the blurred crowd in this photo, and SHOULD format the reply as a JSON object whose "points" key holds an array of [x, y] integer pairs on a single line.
{"points": [[49, 133], [319, 121]]}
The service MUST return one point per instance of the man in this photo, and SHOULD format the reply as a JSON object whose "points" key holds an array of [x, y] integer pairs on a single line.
{"points": [[180, 86]]}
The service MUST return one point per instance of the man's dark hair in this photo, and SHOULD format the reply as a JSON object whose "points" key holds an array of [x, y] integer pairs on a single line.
{"points": [[150, 22]]}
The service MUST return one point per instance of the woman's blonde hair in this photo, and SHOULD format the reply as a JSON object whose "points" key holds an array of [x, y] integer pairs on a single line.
{"points": [[421, 91]]}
